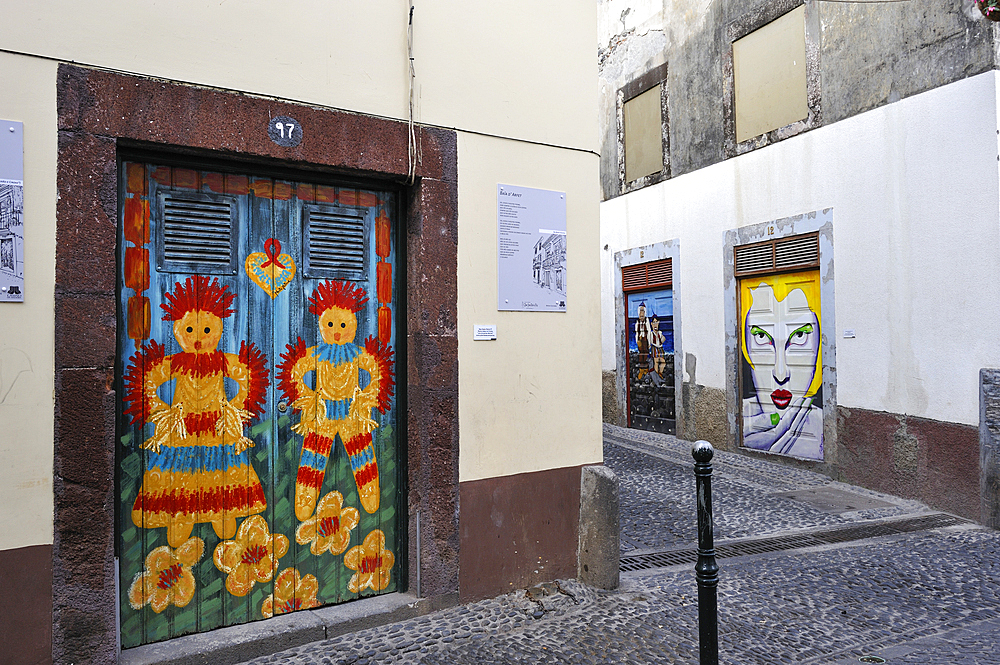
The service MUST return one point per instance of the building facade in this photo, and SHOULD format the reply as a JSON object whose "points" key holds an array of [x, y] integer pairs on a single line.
{"points": [[809, 191], [243, 379]]}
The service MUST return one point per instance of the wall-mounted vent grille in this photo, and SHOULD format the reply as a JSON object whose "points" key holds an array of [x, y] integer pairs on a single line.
{"points": [[336, 240], [647, 275], [793, 253], [196, 232]]}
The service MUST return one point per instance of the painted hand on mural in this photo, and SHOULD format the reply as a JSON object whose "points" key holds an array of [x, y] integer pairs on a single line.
{"points": [[169, 423], [761, 434], [197, 467], [781, 347], [340, 404]]}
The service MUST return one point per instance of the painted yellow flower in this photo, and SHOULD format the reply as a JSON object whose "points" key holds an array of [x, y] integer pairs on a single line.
{"points": [[292, 592], [371, 563], [167, 578], [249, 558], [330, 528]]}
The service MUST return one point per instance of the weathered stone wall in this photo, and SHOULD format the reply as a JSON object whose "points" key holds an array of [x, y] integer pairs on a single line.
{"points": [[703, 415], [918, 458], [989, 447], [612, 412], [870, 54]]}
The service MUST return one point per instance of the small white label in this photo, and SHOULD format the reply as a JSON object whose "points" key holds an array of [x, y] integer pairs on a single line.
{"points": [[848, 333], [484, 333]]}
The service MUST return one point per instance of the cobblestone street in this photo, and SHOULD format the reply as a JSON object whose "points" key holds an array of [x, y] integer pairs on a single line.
{"points": [[920, 596]]}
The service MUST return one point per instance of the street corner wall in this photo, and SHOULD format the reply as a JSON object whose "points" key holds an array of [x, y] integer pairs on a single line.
{"points": [[530, 406], [26, 377]]}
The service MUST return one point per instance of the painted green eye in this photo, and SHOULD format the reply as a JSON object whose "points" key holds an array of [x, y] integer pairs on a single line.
{"points": [[760, 335], [190, 329], [208, 330], [343, 325], [799, 335], [329, 323]]}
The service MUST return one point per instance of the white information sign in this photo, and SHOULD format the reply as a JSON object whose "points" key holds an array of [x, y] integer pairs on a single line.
{"points": [[531, 249], [483, 333], [11, 211]]}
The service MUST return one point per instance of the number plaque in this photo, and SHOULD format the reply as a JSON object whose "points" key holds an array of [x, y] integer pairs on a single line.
{"points": [[285, 131]]}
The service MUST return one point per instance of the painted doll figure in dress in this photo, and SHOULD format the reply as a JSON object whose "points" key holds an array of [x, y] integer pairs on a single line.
{"points": [[346, 381], [198, 469]]}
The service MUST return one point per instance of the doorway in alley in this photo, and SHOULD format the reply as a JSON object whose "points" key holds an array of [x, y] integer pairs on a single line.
{"points": [[649, 345], [258, 457]]}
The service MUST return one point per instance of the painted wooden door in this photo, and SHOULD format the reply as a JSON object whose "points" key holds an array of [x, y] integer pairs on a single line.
{"points": [[258, 458], [781, 364], [650, 352]]}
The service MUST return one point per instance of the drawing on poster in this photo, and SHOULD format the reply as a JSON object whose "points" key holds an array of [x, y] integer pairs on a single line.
{"points": [[549, 262], [782, 364], [11, 240], [531, 249]]}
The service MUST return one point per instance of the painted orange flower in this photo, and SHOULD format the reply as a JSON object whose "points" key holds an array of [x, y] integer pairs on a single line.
{"points": [[292, 592], [249, 558], [371, 563], [330, 528], [167, 578]]}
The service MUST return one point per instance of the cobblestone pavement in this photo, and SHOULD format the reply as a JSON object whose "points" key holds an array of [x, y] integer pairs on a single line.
{"points": [[929, 597]]}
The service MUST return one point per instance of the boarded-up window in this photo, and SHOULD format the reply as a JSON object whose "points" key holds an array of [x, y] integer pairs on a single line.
{"points": [[769, 75], [643, 119]]}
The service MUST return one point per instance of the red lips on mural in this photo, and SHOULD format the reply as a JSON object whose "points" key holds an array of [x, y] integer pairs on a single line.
{"points": [[781, 398]]}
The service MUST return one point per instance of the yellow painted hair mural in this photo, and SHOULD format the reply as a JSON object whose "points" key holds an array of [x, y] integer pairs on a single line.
{"points": [[782, 285]]}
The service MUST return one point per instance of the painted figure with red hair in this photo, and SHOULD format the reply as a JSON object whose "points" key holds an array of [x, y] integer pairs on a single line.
{"points": [[340, 403], [198, 468]]}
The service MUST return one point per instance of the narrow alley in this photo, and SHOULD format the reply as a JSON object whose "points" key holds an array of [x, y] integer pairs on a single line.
{"points": [[811, 571]]}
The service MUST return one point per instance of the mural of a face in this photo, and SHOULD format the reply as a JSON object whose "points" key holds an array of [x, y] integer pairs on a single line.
{"points": [[782, 341], [338, 326], [198, 331]]}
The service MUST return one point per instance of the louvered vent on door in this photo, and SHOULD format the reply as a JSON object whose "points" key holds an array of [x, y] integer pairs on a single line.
{"points": [[336, 241], [196, 233], [647, 275], [792, 253]]}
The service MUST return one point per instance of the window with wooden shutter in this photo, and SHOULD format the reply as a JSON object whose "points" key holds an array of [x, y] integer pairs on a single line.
{"points": [[647, 275], [196, 233], [336, 239], [780, 255]]}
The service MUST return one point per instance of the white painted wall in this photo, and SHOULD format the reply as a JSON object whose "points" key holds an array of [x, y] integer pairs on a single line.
{"points": [[530, 400], [916, 227], [27, 338], [512, 68]]}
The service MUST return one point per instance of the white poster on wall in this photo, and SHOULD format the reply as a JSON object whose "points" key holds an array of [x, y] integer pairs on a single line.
{"points": [[531, 249], [11, 211]]}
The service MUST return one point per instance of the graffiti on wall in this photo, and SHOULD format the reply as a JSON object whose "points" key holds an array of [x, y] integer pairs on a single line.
{"points": [[782, 370]]}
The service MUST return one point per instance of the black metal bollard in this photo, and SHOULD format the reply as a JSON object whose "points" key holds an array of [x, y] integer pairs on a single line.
{"points": [[707, 571]]}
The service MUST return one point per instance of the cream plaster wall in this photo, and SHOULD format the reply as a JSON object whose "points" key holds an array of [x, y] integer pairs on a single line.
{"points": [[916, 233], [489, 68], [530, 400], [515, 68], [26, 333]]}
